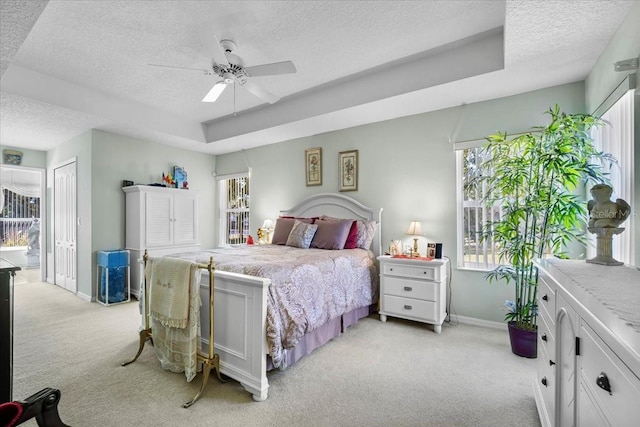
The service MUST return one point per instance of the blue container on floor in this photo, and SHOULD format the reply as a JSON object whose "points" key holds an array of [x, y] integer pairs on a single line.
{"points": [[113, 276]]}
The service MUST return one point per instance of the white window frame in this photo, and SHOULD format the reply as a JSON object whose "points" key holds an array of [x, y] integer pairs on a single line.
{"points": [[243, 210], [485, 256], [617, 137]]}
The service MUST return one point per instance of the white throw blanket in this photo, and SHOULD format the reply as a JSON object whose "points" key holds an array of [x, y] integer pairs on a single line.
{"points": [[174, 302]]}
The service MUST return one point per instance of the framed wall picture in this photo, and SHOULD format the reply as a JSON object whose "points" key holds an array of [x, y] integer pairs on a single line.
{"points": [[313, 166], [348, 164], [12, 157]]}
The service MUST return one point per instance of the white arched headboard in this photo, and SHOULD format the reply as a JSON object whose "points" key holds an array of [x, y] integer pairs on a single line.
{"points": [[339, 206]]}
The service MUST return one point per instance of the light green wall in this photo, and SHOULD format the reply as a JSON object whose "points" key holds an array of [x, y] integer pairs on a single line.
{"points": [[103, 161], [116, 158], [78, 148], [30, 158], [406, 167], [624, 44]]}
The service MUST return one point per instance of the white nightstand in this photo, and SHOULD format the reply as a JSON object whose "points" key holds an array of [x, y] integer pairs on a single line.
{"points": [[414, 289]]}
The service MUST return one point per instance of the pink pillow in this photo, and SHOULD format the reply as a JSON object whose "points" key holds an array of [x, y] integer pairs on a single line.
{"points": [[352, 238], [283, 228], [331, 234]]}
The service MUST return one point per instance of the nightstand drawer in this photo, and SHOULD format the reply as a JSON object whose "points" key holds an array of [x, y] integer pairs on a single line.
{"points": [[411, 271], [410, 288], [409, 308]]}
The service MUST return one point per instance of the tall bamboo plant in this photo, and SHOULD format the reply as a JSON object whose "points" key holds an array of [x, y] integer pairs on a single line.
{"points": [[531, 178]]}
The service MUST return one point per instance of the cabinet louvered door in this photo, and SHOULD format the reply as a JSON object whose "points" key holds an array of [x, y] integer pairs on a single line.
{"points": [[160, 220], [185, 224]]}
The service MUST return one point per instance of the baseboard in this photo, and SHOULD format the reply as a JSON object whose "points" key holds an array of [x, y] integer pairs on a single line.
{"points": [[84, 296], [478, 322]]}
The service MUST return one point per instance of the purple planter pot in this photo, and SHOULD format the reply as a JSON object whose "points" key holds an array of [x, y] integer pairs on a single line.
{"points": [[523, 343]]}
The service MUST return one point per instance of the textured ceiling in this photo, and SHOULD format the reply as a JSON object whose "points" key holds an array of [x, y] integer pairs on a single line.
{"points": [[84, 64]]}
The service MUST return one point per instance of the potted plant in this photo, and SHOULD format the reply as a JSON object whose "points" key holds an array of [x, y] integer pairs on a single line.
{"points": [[530, 181]]}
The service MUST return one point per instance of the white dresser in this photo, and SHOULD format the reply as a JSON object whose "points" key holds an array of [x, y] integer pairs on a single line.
{"points": [[588, 344], [161, 220], [413, 289]]}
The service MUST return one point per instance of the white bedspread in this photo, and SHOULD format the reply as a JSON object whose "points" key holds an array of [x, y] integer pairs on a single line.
{"points": [[308, 286]]}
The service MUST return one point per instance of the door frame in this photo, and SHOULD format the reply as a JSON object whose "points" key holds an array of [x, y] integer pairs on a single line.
{"points": [[43, 214], [53, 218]]}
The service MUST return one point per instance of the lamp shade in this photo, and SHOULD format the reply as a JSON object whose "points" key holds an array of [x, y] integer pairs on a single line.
{"points": [[267, 224], [415, 229]]}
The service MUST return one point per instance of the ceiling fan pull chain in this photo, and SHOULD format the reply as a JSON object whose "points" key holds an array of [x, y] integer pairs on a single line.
{"points": [[234, 98]]}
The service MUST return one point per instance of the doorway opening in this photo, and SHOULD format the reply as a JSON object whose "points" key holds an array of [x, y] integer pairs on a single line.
{"points": [[22, 207]]}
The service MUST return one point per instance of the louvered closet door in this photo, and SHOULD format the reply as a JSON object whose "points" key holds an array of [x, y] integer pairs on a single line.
{"points": [[160, 220], [185, 224]]}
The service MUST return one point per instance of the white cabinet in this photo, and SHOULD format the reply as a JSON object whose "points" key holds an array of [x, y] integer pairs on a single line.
{"points": [[414, 290], [160, 220], [588, 345]]}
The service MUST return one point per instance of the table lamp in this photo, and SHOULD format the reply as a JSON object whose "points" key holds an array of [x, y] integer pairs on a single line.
{"points": [[415, 229], [267, 227]]}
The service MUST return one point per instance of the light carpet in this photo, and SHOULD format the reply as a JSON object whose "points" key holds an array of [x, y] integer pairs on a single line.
{"points": [[397, 373]]}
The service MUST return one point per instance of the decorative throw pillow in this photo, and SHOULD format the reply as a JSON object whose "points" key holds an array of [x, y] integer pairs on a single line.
{"points": [[283, 228], [331, 234], [301, 234], [352, 238], [366, 232]]}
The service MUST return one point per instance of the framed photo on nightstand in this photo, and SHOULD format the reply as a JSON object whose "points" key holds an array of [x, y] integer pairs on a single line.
{"points": [[431, 250]]}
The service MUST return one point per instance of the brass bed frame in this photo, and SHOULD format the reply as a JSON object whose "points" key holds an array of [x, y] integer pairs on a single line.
{"points": [[209, 361]]}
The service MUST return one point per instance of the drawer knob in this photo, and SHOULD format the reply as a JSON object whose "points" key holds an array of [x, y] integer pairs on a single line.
{"points": [[407, 307], [551, 363], [408, 288], [545, 297], [544, 381], [543, 337], [603, 382]]}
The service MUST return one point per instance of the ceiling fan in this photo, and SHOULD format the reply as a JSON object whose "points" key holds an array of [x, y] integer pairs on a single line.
{"points": [[230, 68]]}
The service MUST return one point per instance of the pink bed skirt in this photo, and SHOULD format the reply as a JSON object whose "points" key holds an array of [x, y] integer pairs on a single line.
{"points": [[322, 335]]}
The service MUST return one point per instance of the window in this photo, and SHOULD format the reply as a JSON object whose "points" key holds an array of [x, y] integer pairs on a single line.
{"points": [[18, 213], [617, 138], [234, 208], [473, 251]]}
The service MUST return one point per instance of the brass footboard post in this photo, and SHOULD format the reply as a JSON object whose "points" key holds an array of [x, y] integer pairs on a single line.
{"points": [[145, 333], [212, 359]]}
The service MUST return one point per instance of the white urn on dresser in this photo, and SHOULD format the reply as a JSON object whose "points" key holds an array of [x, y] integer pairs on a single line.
{"points": [[588, 344], [161, 220], [413, 289]]}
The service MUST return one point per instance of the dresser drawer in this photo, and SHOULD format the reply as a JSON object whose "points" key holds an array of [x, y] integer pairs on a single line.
{"points": [[412, 271], [409, 308], [621, 407], [546, 382], [547, 300], [546, 337], [410, 288]]}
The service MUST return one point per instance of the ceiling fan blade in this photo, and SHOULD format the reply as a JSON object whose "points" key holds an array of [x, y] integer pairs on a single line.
{"points": [[259, 91], [182, 68], [215, 92], [284, 67], [211, 42]]}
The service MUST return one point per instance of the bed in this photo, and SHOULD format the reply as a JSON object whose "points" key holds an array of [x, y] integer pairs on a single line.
{"points": [[274, 304]]}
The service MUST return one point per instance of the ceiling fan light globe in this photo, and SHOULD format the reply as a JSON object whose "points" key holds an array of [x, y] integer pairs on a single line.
{"points": [[215, 92]]}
